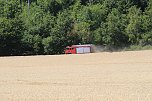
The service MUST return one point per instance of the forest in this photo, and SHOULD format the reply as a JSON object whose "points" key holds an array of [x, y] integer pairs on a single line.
{"points": [[36, 27]]}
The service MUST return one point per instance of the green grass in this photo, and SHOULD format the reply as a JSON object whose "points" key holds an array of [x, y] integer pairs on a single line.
{"points": [[137, 47]]}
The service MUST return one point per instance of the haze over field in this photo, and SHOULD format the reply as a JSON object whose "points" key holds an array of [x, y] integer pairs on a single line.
{"points": [[117, 76]]}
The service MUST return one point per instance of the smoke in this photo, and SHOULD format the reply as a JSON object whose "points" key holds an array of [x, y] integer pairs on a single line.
{"points": [[101, 48], [98, 48]]}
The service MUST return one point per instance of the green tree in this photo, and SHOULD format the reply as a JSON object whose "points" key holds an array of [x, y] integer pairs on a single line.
{"points": [[112, 31], [147, 26], [31, 44], [11, 32], [37, 22], [9, 9], [134, 27]]}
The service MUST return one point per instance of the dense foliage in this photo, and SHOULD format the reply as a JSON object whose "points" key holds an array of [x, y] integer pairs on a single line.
{"points": [[47, 26]]}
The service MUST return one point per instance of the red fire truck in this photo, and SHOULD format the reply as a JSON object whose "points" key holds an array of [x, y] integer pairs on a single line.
{"points": [[79, 49]]}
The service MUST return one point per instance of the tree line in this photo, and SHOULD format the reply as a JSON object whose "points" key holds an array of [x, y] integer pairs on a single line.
{"points": [[32, 27]]}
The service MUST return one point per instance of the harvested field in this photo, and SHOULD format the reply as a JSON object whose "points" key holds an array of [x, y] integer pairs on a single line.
{"points": [[117, 76]]}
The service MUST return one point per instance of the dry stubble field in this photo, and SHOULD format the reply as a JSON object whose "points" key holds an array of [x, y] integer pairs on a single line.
{"points": [[118, 76]]}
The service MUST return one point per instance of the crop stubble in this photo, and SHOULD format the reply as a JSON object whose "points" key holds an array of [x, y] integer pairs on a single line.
{"points": [[117, 76]]}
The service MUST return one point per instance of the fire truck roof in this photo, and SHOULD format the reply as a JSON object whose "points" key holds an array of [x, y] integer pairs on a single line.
{"points": [[82, 45]]}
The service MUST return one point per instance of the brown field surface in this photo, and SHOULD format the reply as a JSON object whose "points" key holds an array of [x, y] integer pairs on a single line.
{"points": [[117, 76]]}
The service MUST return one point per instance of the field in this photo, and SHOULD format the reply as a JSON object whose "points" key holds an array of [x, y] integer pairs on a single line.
{"points": [[116, 76]]}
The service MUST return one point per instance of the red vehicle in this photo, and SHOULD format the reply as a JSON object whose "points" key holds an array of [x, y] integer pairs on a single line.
{"points": [[78, 49]]}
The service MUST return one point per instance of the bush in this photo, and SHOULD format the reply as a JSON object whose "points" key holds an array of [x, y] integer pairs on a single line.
{"points": [[32, 44]]}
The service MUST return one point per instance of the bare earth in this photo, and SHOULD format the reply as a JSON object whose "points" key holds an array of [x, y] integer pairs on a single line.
{"points": [[118, 76]]}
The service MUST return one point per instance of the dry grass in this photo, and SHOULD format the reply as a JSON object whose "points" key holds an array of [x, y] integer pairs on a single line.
{"points": [[119, 76]]}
